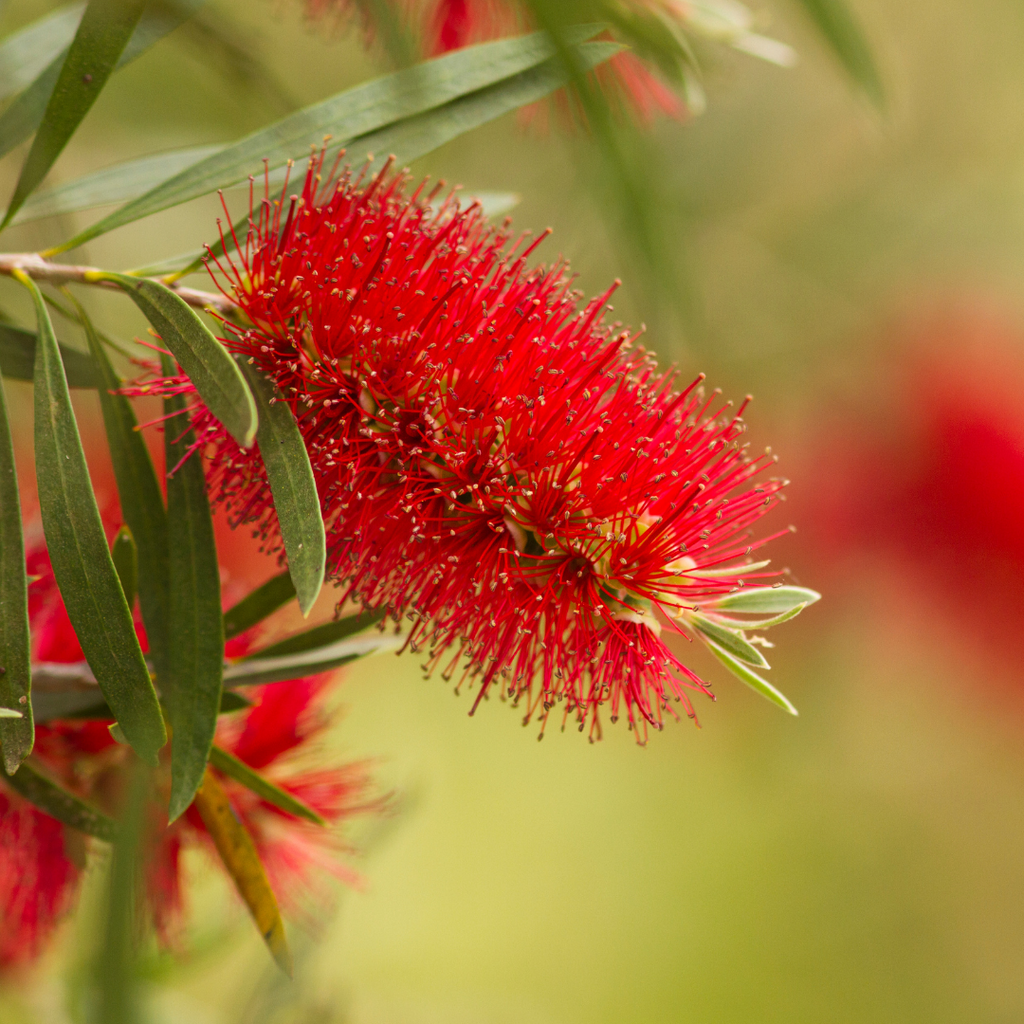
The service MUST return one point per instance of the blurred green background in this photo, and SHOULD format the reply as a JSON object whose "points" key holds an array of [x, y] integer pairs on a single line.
{"points": [[864, 862]]}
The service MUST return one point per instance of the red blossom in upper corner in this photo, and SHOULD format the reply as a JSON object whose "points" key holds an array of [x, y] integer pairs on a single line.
{"points": [[446, 25], [40, 859], [496, 463]]}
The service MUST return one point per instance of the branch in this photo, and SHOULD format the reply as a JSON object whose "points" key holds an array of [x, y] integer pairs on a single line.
{"points": [[38, 269]]}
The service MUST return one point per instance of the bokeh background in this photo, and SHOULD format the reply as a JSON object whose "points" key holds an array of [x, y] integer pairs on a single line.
{"points": [[863, 276]]}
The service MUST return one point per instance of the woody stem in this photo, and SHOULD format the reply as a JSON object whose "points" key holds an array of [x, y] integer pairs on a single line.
{"points": [[38, 269]]}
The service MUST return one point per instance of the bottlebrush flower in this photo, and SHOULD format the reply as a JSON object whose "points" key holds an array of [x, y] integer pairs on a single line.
{"points": [[41, 860], [495, 462]]}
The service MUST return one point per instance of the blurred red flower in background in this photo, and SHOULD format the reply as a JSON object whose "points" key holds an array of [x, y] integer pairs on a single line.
{"points": [[920, 482], [41, 861]]}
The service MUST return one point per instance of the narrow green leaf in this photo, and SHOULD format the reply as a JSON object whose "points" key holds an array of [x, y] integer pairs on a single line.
{"points": [[346, 117], [82, 705], [751, 678], [125, 556], [118, 184], [306, 663], [16, 734], [79, 554], [116, 972], [255, 607], [729, 640], [196, 625], [56, 801], [24, 114], [776, 620], [18, 358], [293, 487], [142, 504], [321, 636], [417, 136], [27, 52], [242, 861], [764, 599], [252, 780], [203, 358], [102, 35], [837, 23]]}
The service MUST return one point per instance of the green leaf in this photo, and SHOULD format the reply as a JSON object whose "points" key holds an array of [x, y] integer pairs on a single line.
{"points": [[118, 184], [102, 35], [293, 487], [27, 52], [142, 504], [751, 678], [25, 112], [78, 552], [762, 623], [203, 358], [18, 358], [349, 117], [81, 705], [240, 858], [56, 801], [417, 136], [764, 599], [729, 640], [321, 636], [252, 780], [195, 628], [125, 556], [116, 971], [255, 607], [837, 23], [16, 734], [306, 663]]}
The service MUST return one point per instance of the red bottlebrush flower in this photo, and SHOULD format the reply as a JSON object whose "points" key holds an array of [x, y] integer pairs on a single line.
{"points": [[494, 461], [40, 858]]}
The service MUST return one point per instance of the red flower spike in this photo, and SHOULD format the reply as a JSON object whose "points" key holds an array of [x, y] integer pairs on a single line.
{"points": [[495, 462]]}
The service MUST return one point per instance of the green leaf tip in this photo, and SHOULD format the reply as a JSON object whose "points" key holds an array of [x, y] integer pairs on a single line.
{"points": [[751, 678], [774, 600], [205, 361]]}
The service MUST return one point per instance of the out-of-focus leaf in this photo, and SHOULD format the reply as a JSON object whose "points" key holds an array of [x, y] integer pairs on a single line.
{"points": [[27, 52], [838, 24], [252, 780], [238, 853], [765, 599], [102, 35], [321, 636], [16, 734], [417, 136], [118, 184], [79, 555], [18, 358], [293, 487], [142, 504], [255, 607], [116, 973], [126, 562], [751, 678], [306, 663], [195, 630], [56, 801], [729, 640], [81, 704], [348, 117], [203, 358], [24, 113]]}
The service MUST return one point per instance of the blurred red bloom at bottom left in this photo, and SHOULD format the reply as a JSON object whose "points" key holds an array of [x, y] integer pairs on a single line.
{"points": [[42, 861]]}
